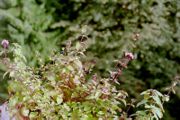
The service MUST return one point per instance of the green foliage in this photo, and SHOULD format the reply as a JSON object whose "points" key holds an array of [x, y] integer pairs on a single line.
{"points": [[28, 23], [60, 89], [152, 104], [112, 27]]}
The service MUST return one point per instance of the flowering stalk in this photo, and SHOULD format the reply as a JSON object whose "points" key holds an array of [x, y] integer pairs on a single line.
{"points": [[121, 65], [5, 45]]}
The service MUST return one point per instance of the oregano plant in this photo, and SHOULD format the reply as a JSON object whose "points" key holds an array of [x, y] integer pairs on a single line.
{"points": [[64, 88]]}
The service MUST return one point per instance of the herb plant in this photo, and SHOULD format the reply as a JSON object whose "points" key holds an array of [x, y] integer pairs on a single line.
{"points": [[63, 88]]}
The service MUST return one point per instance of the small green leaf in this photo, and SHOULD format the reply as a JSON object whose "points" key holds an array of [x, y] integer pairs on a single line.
{"points": [[141, 103], [158, 93], [59, 99], [33, 115], [97, 94], [25, 112], [158, 102], [157, 112]]}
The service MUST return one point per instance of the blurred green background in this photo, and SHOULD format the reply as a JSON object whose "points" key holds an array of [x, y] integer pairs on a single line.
{"points": [[148, 28]]}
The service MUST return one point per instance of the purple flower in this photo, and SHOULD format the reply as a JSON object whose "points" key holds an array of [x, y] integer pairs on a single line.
{"points": [[4, 113], [5, 43], [129, 55], [105, 90]]}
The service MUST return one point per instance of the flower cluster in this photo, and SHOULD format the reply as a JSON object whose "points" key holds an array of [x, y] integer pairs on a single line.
{"points": [[5, 43], [129, 55], [122, 63]]}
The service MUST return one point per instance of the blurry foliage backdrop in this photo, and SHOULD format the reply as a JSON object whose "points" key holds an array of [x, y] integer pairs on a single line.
{"points": [[149, 28]]}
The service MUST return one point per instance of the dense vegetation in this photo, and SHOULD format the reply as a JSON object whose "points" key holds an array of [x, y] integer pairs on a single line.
{"points": [[63, 89], [148, 28]]}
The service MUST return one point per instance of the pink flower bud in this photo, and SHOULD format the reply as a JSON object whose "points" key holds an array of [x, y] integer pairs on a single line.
{"points": [[129, 55], [5, 43], [105, 90]]}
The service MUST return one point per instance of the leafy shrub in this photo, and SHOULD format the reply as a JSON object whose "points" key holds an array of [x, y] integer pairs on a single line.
{"points": [[63, 89], [111, 26]]}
